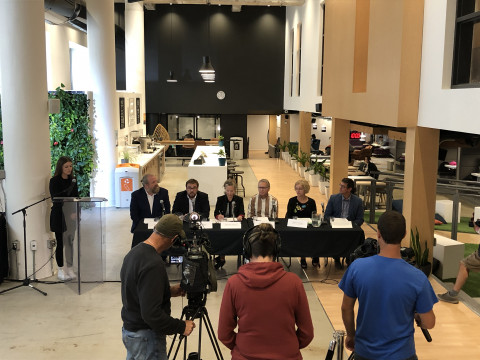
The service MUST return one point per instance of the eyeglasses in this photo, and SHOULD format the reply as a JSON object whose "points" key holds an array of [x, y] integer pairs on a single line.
{"points": [[263, 187]]}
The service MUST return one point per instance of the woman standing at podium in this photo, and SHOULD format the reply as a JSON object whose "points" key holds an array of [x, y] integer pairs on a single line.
{"points": [[63, 184]]}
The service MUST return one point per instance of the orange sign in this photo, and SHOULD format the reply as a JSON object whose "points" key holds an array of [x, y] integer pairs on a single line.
{"points": [[126, 184]]}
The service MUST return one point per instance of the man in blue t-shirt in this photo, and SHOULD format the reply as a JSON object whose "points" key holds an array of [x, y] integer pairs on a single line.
{"points": [[391, 295]]}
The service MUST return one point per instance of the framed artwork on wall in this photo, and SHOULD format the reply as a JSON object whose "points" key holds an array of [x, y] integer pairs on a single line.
{"points": [[121, 102]]}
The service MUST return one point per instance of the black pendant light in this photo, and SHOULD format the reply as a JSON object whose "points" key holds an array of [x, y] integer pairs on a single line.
{"points": [[206, 70], [171, 77]]}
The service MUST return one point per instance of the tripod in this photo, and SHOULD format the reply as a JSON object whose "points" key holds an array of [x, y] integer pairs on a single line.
{"points": [[26, 281], [196, 310]]}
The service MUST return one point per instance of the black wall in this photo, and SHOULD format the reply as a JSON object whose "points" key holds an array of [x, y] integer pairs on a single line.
{"points": [[246, 49]]}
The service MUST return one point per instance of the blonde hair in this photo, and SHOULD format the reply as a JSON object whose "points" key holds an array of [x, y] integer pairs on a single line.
{"points": [[304, 183]]}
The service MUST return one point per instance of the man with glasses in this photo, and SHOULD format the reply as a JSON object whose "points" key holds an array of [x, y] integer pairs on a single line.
{"points": [[263, 204], [191, 200], [345, 205]]}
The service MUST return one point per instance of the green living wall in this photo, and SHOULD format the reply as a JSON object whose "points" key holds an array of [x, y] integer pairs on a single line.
{"points": [[70, 135]]}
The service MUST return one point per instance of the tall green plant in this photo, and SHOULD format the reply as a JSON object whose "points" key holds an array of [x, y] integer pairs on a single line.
{"points": [[421, 258], [70, 135], [292, 148], [303, 158]]}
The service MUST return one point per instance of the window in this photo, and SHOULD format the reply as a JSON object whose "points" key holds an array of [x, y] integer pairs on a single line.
{"points": [[466, 58]]}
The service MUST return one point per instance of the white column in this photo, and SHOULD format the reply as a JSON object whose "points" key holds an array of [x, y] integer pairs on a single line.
{"points": [[58, 59], [101, 50], [135, 51], [26, 138]]}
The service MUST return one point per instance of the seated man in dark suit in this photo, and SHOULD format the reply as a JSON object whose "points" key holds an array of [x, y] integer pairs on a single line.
{"points": [[191, 200], [345, 205], [151, 201]]}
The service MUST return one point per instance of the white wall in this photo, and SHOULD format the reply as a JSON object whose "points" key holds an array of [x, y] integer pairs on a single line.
{"points": [[58, 39], [310, 15], [294, 127], [441, 107], [257, 129]]}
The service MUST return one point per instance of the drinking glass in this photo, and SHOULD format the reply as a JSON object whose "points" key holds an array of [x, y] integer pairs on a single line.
{"points": [[316, 219]]}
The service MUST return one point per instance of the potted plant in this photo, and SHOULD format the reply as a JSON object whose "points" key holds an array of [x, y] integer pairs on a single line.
{"points": [[294, 161], [421, 257], [315, 170], [220, 140], [125, 157], [293, 151], [302, 159], [221, 157], [283, 149]]}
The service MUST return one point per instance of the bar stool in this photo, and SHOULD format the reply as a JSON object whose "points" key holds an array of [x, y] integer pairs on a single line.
{"points": [[235, 175]]}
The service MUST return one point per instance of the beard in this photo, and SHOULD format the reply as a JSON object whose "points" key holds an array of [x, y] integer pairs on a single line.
{"points": [[155, 189]]}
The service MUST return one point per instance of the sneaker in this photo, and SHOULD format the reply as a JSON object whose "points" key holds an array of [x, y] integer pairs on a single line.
{"points": [[70, 273], [62, 275], [303, 263], [448, 298]]}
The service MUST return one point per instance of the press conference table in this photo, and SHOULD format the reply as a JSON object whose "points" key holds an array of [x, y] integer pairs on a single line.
{"points": [[296, 242]]}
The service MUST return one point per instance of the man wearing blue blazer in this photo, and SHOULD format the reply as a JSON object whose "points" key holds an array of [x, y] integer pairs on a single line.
{"points": [[345, 205], [150, 201]]}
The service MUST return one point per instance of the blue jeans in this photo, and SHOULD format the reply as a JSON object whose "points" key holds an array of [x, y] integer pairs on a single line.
{"points": [[358, 357], [144, 344]]}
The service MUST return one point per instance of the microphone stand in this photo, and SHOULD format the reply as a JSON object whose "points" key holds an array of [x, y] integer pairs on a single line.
{"points": [[26, 281]]}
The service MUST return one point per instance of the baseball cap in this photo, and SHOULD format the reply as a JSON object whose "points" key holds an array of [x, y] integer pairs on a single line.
{"points": [[170, 225]]}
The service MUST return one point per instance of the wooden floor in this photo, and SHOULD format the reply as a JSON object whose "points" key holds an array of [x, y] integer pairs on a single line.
{"points": [[457, 329]]}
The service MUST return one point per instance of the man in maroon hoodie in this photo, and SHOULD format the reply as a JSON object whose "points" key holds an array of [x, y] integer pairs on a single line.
{"points": [[268, 304]]}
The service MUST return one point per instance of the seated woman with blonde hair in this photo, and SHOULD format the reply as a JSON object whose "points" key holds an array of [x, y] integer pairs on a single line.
{"points": [[301, 206]]}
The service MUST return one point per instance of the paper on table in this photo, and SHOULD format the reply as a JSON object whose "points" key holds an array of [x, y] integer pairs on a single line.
{"points": [[258, 222], [230, 225], [340, 223], [298, 223], [207, 224], [150, 222]]}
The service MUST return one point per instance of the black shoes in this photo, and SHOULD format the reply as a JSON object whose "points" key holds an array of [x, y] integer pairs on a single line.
{"points": [[303, 263], [219, 262], [316, 262], [338, 264]]}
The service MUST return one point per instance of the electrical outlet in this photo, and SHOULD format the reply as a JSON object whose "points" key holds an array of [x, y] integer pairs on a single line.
{"points": [[16, 245], [33, 245], [51, 243]]}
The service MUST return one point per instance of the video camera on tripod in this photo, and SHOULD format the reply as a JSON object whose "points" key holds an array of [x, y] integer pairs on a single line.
{"points": [[198, 279], [198, 275]]}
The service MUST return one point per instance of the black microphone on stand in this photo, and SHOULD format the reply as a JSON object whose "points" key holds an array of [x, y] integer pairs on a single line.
{"points": [[68, 190], [233, 208], [274, 211], [163, 207]]}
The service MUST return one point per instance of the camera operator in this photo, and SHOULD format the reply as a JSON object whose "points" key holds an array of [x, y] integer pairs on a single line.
{"points": [[249, 298], [470, 263], [146, 294], [391, 295]]}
